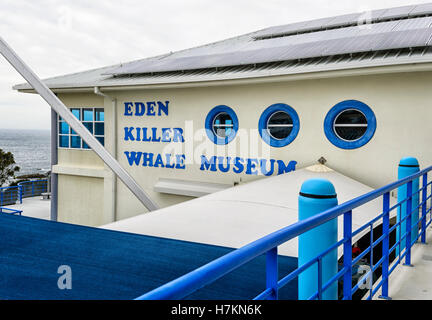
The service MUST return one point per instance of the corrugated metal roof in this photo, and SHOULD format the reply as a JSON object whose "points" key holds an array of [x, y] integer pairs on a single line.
{"points": [[97, 77], [318, 45]]}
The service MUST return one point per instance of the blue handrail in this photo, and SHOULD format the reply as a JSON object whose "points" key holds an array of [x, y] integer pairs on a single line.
{"points": [[26, 189], [33, 188], [10, 211], [9, 195], [198, 278]]}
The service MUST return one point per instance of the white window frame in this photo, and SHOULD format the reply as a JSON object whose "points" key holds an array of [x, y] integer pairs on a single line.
{"points": [[268, 125], [353, 125], [220, 126]]}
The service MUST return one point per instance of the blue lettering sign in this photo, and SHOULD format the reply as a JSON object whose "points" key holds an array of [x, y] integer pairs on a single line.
{"points": [[283, 169], [208, 164], [162, 108], [128, 108], [150, 108], [128, 134], [148, 159], [133, 157], [146, 108], [157, 135], [249, 166]]}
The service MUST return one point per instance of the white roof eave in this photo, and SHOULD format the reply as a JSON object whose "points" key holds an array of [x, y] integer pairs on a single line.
{"points": [[308, 72]]}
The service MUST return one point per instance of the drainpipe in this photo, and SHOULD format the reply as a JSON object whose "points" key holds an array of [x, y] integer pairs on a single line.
{"points": [[114, 149], [54, 160]]}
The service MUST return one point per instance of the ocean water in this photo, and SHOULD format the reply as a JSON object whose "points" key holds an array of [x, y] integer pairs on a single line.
{"points": [[31, 149]]}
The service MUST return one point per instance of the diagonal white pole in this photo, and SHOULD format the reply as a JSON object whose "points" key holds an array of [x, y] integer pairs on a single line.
{"points": [[64, 112]]}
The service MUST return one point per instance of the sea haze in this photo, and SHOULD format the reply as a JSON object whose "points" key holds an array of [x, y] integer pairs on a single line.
{"points": [[31, 149]]}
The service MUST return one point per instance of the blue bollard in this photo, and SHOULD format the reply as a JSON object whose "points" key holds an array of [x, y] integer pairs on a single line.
{"points": [[407, 166], [317, 195]]}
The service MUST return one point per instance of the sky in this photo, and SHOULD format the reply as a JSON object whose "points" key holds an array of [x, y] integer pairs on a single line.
{"points": [[56, 37]]}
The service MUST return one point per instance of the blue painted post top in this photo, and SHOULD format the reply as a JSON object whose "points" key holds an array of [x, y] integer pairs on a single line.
{"points": [[409, 162], [317, 187], [316, 196]]}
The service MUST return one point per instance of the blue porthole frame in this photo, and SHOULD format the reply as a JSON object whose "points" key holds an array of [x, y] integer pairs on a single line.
{"points": [[262, 125], [347, 105], [209, 124]]}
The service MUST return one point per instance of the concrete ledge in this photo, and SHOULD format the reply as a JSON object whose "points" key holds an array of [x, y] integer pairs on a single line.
{"points": [[81, 171], [188, 188]]}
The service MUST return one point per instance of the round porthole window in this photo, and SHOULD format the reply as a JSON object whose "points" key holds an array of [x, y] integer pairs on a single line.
{"points": [[221, 124], [350, 124], [279, 125]]}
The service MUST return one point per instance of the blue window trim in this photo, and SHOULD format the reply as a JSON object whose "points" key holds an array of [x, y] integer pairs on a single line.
{"points": [[209, 124], [262, 125], [346, 105]]}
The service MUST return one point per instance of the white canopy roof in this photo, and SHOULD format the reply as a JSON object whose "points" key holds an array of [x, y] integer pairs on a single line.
{"points": [[239, 215]]}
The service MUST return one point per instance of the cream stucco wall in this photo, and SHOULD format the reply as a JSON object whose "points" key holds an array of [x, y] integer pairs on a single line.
{"points": [[80, 200], [401, 103], [83, 184]]}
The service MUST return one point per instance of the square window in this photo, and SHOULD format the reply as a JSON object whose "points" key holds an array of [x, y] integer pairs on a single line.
{"points": [[75, 142], [64, 141], [99, 129], [101, 140], [93, 121], [89, 126], [76, 113], [99, 114], [87, 115], [63, 128]]}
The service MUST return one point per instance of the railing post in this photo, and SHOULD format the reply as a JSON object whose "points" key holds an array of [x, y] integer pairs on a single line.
{"points": [[430, 205], [32, 185], [272, 273], [407, 166], [320, 280], [385, 246], [347, 256], [408, 224], [1, 197], [20, 190], [424, 200], [317, 195]]}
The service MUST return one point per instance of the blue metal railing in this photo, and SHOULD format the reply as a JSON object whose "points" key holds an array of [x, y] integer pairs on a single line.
{"points": [[26, 189], [9, 195], [10, 211], [197, 279], [33, 188]]}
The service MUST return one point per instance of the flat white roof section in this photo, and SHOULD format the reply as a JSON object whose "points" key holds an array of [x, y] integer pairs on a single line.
{"points": [[188, 188], [244, 213]]}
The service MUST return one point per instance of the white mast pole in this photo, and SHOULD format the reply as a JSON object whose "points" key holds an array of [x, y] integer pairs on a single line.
{"points": [[64, 112]]}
